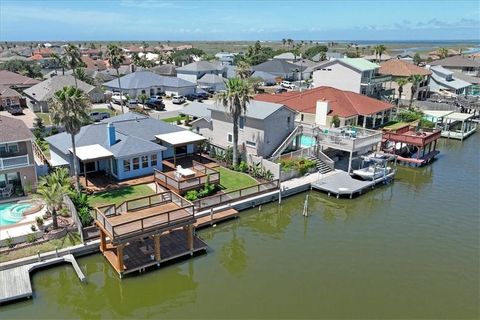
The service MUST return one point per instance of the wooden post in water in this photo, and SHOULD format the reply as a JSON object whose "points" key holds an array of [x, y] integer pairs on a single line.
{"points": [[190, 237], [156, 241], [120, 257], [305, 207]]}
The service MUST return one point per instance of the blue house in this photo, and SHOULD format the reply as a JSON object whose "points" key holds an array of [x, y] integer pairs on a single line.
{"points": [[124, 147]]}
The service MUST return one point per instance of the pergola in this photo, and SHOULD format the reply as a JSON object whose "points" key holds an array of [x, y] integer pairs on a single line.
{"points": [[180, 139], [91, 153]]}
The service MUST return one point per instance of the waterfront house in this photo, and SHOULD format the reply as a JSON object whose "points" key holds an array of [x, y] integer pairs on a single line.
{"points": [[17, 162], [196, 70], [123, 147], [39, 95], [150, 84], [351, 74], [261, 131], [281, 69], [443, 81], [462, 64], [318, 106], [403, 69]]}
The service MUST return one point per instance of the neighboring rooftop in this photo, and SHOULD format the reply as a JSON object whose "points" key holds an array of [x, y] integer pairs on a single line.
{"points": [[147, 79], [197, 110], [46, 89], [277, 66], [13, 130], [401, 68], [8, 92], [12, 79], [286, 56], [359, 64], [165, 70], [341, 103], [456, 61], [201, 66]]}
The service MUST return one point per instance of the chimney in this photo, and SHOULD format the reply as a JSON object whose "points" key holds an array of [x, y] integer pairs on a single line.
{"points": [[323, 108], [112, 139]]}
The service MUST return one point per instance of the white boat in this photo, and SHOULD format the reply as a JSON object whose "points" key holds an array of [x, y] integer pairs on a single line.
{"points": [[372, 172]]}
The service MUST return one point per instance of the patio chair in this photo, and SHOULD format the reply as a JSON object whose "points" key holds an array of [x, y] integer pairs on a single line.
{"points": [[7, 191]]}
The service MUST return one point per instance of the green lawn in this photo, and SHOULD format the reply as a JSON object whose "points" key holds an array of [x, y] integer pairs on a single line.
{"points": [[395, 126], [45, 118], [109, 111], [231, 180], [174, 119], [120, 195], [70, 239]]}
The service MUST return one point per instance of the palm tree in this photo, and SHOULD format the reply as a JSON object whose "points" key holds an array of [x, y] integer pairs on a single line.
{"points": [[57, 60], [400, 82], [243, 70], [415, 79], [443, 53], [73, 59], [143, 97], [69, 107], [235, 101], [379, 50], [116, 58], [51, 189], [284, 41]]}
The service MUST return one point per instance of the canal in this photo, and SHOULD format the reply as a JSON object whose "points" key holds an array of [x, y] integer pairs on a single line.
{"points": [[406, 250]]}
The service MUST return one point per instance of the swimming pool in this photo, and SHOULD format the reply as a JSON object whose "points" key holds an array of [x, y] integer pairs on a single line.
{"points": [[307, 141], [11, 213]]}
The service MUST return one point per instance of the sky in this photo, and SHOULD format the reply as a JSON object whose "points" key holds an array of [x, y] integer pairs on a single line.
{"points": [[179, 20]]}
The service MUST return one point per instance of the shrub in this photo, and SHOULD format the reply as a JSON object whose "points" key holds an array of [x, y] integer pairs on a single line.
{"points": [[9, 242], [39, 221], [242, 167], [33, 228], [191, 195], [84, 214], [31, 237], [302, 165]]}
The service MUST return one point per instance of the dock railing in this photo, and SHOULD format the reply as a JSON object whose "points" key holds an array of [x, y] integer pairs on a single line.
{"points": [[102, 214], [235, 195]]}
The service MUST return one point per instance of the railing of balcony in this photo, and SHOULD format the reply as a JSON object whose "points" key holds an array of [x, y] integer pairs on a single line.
{"points": [[14, 162]]}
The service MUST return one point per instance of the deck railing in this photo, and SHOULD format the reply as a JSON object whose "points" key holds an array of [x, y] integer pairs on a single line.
{"points": [[227, 197], [104, 213], [184, 184], [14, 162], [419, 140]]}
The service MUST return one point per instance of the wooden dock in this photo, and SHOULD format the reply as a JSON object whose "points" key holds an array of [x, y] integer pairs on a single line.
{"points": [[215, 217], [342, 183], [15, 282]]}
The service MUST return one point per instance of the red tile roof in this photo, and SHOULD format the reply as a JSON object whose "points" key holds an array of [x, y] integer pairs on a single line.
{"points": [[400, 68], [96, 65], [342, 103]]}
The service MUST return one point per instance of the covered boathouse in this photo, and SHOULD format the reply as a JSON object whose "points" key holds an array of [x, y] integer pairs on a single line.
{"points": [[147, 231]]}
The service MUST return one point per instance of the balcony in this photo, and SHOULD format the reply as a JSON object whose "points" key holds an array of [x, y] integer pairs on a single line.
{"points": [[348, 139], [14, 162], [376, 79]]}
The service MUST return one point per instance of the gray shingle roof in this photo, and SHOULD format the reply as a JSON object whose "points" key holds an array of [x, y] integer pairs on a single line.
{"points": [[264, 75], [201, 66], [210, 78], [135, 134], [255, 109], [456, 61], [165, 70], [147, 79], [13, 130], [9, 78], [286, 56], [46, 89], [197, 110], [276, 67]]}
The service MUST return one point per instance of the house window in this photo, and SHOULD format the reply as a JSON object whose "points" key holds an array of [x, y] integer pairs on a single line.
{"points": [[288, 120], [136, 163], [301, 117], [251, 143], [3, 180], [153, 160], [143, 91], [3, 148], [230, 137], [13, 148], [241, 122], [144, 161], [114, 167], [126, 165], [197, 129]]}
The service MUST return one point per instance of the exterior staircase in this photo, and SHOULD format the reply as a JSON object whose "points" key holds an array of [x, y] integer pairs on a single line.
{"points": [[321, 166]]}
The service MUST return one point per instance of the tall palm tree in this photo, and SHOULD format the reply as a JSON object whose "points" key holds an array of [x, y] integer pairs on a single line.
{"points": [[243, 70], [400, 82], [73, 59], [443, 53], [379, 50], [57, 60], [69, 107], [284, 41], [51, 189], [235, 100], [116, 58], [415, 80]]}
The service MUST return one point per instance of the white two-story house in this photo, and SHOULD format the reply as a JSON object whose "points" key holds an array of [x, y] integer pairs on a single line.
{"points": [[351, 74], [261, 131]]}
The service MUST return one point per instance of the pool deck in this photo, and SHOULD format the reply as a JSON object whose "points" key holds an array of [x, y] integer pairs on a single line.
{"points": [[21, 228]]}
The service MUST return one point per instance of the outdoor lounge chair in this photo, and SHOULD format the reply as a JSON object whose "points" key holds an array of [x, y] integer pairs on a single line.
{"points": [[7, 191]]}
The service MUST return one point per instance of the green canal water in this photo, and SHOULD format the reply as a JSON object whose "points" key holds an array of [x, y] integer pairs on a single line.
{"points": [[406, 250]]}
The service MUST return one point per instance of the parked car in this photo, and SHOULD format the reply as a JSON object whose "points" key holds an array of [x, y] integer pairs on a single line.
{"points": [[178, 99], [191, 97], [155, 104], [203, 95], [287, 84], [132, 103], [155, 98], [14, 109], [98, 116], [117, 98], [280, 90]]}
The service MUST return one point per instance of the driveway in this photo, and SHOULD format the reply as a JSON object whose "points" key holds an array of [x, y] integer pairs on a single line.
{"points": [[28, 117]]}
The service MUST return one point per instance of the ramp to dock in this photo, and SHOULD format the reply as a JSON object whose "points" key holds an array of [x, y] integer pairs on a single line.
{"points": [[341, 183], [15, 282]]}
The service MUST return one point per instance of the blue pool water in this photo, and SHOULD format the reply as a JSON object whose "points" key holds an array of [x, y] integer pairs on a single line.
{"points": [[11, 213], [307, 141]]}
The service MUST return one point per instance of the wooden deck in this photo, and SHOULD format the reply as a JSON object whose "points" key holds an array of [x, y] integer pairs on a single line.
{"points": [[216, 217], [15, 282], [99, 182], [139, 254]]}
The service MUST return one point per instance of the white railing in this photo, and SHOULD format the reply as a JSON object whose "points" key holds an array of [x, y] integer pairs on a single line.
{"points": [[13, 162], [297, 131]]}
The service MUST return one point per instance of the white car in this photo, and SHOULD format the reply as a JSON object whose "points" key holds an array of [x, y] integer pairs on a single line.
{"points": [[178, 99], [287, 84], [116, 97]]}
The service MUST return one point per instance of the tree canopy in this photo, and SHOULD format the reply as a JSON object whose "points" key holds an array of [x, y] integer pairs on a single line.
{"points": [[313, 51], [26, 68]]}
